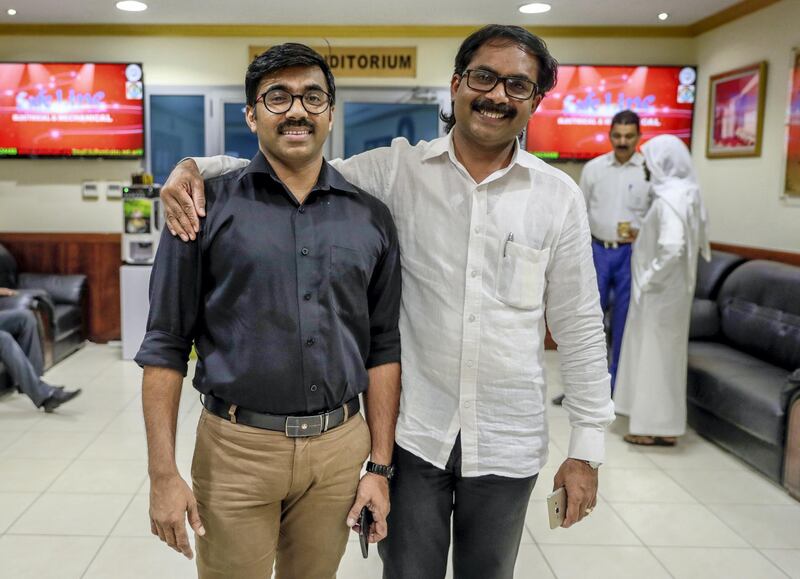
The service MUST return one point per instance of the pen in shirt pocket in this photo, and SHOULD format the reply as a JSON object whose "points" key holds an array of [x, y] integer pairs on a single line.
{"points": [[505, 245]]}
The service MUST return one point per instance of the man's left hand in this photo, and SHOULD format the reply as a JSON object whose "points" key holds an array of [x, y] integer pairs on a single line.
{"points": [[373, 492], [7, 292], [580, 483]]}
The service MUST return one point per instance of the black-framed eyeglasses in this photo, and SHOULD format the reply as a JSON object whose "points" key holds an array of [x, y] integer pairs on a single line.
{"points": [[517, 88], [278, 101]]}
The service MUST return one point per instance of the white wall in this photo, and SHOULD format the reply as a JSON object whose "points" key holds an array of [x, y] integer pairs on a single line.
{"points": [[743, 195], [44, 195]]}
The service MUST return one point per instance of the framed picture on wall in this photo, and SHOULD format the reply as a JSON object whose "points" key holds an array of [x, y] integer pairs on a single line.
{"points": [[736, 112], [792, 183]]}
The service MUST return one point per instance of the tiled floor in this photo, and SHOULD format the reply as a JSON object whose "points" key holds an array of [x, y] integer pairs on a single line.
{"points": [[73, 498]]}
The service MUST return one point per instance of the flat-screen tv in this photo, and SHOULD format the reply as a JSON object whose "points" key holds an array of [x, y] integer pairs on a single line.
{"points": [[573, 120], [67, 109]]}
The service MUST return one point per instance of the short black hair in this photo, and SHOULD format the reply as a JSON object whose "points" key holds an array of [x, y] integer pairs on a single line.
{"points": [[284, 56], [530, 43], [626, 117]]}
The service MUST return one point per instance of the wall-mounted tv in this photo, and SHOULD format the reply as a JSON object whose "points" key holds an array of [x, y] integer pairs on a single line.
{"points": [[65, 109], [573, 120]]}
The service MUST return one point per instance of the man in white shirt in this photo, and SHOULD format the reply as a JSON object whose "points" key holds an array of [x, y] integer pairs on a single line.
{"points": [[492, 239], [617, 197]]}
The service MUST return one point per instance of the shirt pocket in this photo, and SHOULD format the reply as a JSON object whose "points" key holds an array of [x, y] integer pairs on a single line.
{"points": [[348, 276], [521, 275], [639, 201]]}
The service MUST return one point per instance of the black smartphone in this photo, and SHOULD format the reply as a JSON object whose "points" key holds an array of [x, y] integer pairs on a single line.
{"points": [[364, 523]]}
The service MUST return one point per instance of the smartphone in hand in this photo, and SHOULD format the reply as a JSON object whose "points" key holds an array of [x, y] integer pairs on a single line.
{"points": [[364, 524], [557, 507]]}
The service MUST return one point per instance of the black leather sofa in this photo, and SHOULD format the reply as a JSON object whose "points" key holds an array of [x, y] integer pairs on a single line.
{"points": [[58, 302], [743, 388]]}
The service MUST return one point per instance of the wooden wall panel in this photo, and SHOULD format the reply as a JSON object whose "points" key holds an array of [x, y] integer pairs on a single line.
{"points": [[97, 255], [759, 253]]}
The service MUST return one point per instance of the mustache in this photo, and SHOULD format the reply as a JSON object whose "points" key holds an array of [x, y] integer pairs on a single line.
{"points": [[486, 106], [295, 124]]}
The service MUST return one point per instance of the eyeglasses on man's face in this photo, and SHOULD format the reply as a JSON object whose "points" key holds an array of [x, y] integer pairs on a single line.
{"points": [[279, 101], [517, 88]]}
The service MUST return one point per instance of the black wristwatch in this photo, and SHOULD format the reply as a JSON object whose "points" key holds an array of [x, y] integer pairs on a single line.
{"points": [[386, 470]]}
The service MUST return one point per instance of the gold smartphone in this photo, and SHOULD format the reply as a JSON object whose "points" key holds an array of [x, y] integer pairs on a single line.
{"points": [[557, 507]]}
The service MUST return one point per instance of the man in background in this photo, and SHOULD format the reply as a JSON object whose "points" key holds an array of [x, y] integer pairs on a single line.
{"points": [[617, 197], [21, 354]]}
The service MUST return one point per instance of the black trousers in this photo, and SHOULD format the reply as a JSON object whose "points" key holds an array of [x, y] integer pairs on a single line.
{"points": [[21, 353], [488, 520]]}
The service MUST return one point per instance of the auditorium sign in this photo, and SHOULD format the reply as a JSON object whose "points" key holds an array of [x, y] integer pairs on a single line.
{"points": [[361, 61]]}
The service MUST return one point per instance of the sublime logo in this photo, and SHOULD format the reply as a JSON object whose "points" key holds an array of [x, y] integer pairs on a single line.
{"points": [[595, 104], [46, 102]]}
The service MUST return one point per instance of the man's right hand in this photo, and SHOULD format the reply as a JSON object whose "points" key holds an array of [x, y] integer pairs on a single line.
{"points": [[184, 199], [170, 500], [7, 292]]}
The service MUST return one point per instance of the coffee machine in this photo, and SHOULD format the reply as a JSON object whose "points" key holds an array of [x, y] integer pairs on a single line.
{"points": [[142, 223]]}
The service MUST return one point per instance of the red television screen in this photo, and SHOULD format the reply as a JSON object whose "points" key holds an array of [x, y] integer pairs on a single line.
{"points": [[65, 109], [573, 120]]}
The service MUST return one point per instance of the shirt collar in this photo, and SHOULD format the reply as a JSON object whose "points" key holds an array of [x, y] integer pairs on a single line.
{"points": [[438, 147], [442, 145], [637, 159], [329, 179]]}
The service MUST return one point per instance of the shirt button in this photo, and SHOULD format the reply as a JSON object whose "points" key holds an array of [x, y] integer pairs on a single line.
{"points": [[313, 387], [302, 209], [470, 363], [304, 251], [307, 296], [474, 273], [477, 230], [472, 317], [467, 404], [310, 342]]}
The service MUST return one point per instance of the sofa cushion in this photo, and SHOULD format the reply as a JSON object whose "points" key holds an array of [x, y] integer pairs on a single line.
{"points": [[760, 311], [739, 388], [711, 274], [68, 319]]}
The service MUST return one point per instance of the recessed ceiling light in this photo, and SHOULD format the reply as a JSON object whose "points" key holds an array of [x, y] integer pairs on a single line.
{"points": [[11, 12], [663, 16], [535, 8], [131, 6]]}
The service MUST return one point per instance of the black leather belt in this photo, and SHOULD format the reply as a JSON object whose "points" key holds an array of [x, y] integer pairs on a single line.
{"points": [[291, 426]]}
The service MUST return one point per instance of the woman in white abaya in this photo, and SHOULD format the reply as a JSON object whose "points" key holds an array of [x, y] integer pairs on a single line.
{"points": [[651, 380]]}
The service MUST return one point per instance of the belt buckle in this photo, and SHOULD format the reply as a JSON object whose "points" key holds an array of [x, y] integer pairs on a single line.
{"points": [[304, 426]]}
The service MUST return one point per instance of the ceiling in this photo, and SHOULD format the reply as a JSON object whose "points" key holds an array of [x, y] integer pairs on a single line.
{"points": [[365, 12]]}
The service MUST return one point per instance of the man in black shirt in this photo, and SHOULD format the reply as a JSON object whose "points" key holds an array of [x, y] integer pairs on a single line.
{"points": [[291, 295]]}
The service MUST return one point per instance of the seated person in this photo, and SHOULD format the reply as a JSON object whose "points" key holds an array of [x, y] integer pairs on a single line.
{"points": [[21, 353]]}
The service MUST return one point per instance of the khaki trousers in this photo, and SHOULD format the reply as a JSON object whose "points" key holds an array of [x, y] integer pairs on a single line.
{"points": [[265, 498]]}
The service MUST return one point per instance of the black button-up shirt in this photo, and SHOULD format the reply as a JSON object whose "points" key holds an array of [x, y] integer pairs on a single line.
{"points": [[287, 304]]}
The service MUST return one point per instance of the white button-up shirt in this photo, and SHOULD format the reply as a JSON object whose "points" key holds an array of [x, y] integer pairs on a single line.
{"points": [[482, 263], [615, 192]]}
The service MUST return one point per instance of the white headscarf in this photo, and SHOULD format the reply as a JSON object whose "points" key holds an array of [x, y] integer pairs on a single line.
{"points": [[673, 178]]}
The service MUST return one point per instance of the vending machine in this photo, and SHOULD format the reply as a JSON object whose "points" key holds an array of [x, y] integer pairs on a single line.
{"points": [[142, 221]]}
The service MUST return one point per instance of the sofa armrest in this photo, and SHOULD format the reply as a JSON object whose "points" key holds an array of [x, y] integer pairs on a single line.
{"points": [[64, 289], [705, 319], [39, 302], [791, 459], [31, 299]]}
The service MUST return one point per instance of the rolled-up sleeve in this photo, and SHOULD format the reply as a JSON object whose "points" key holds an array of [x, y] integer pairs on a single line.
{"points": [[383, 296], [576, 323], [175, 298]]}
